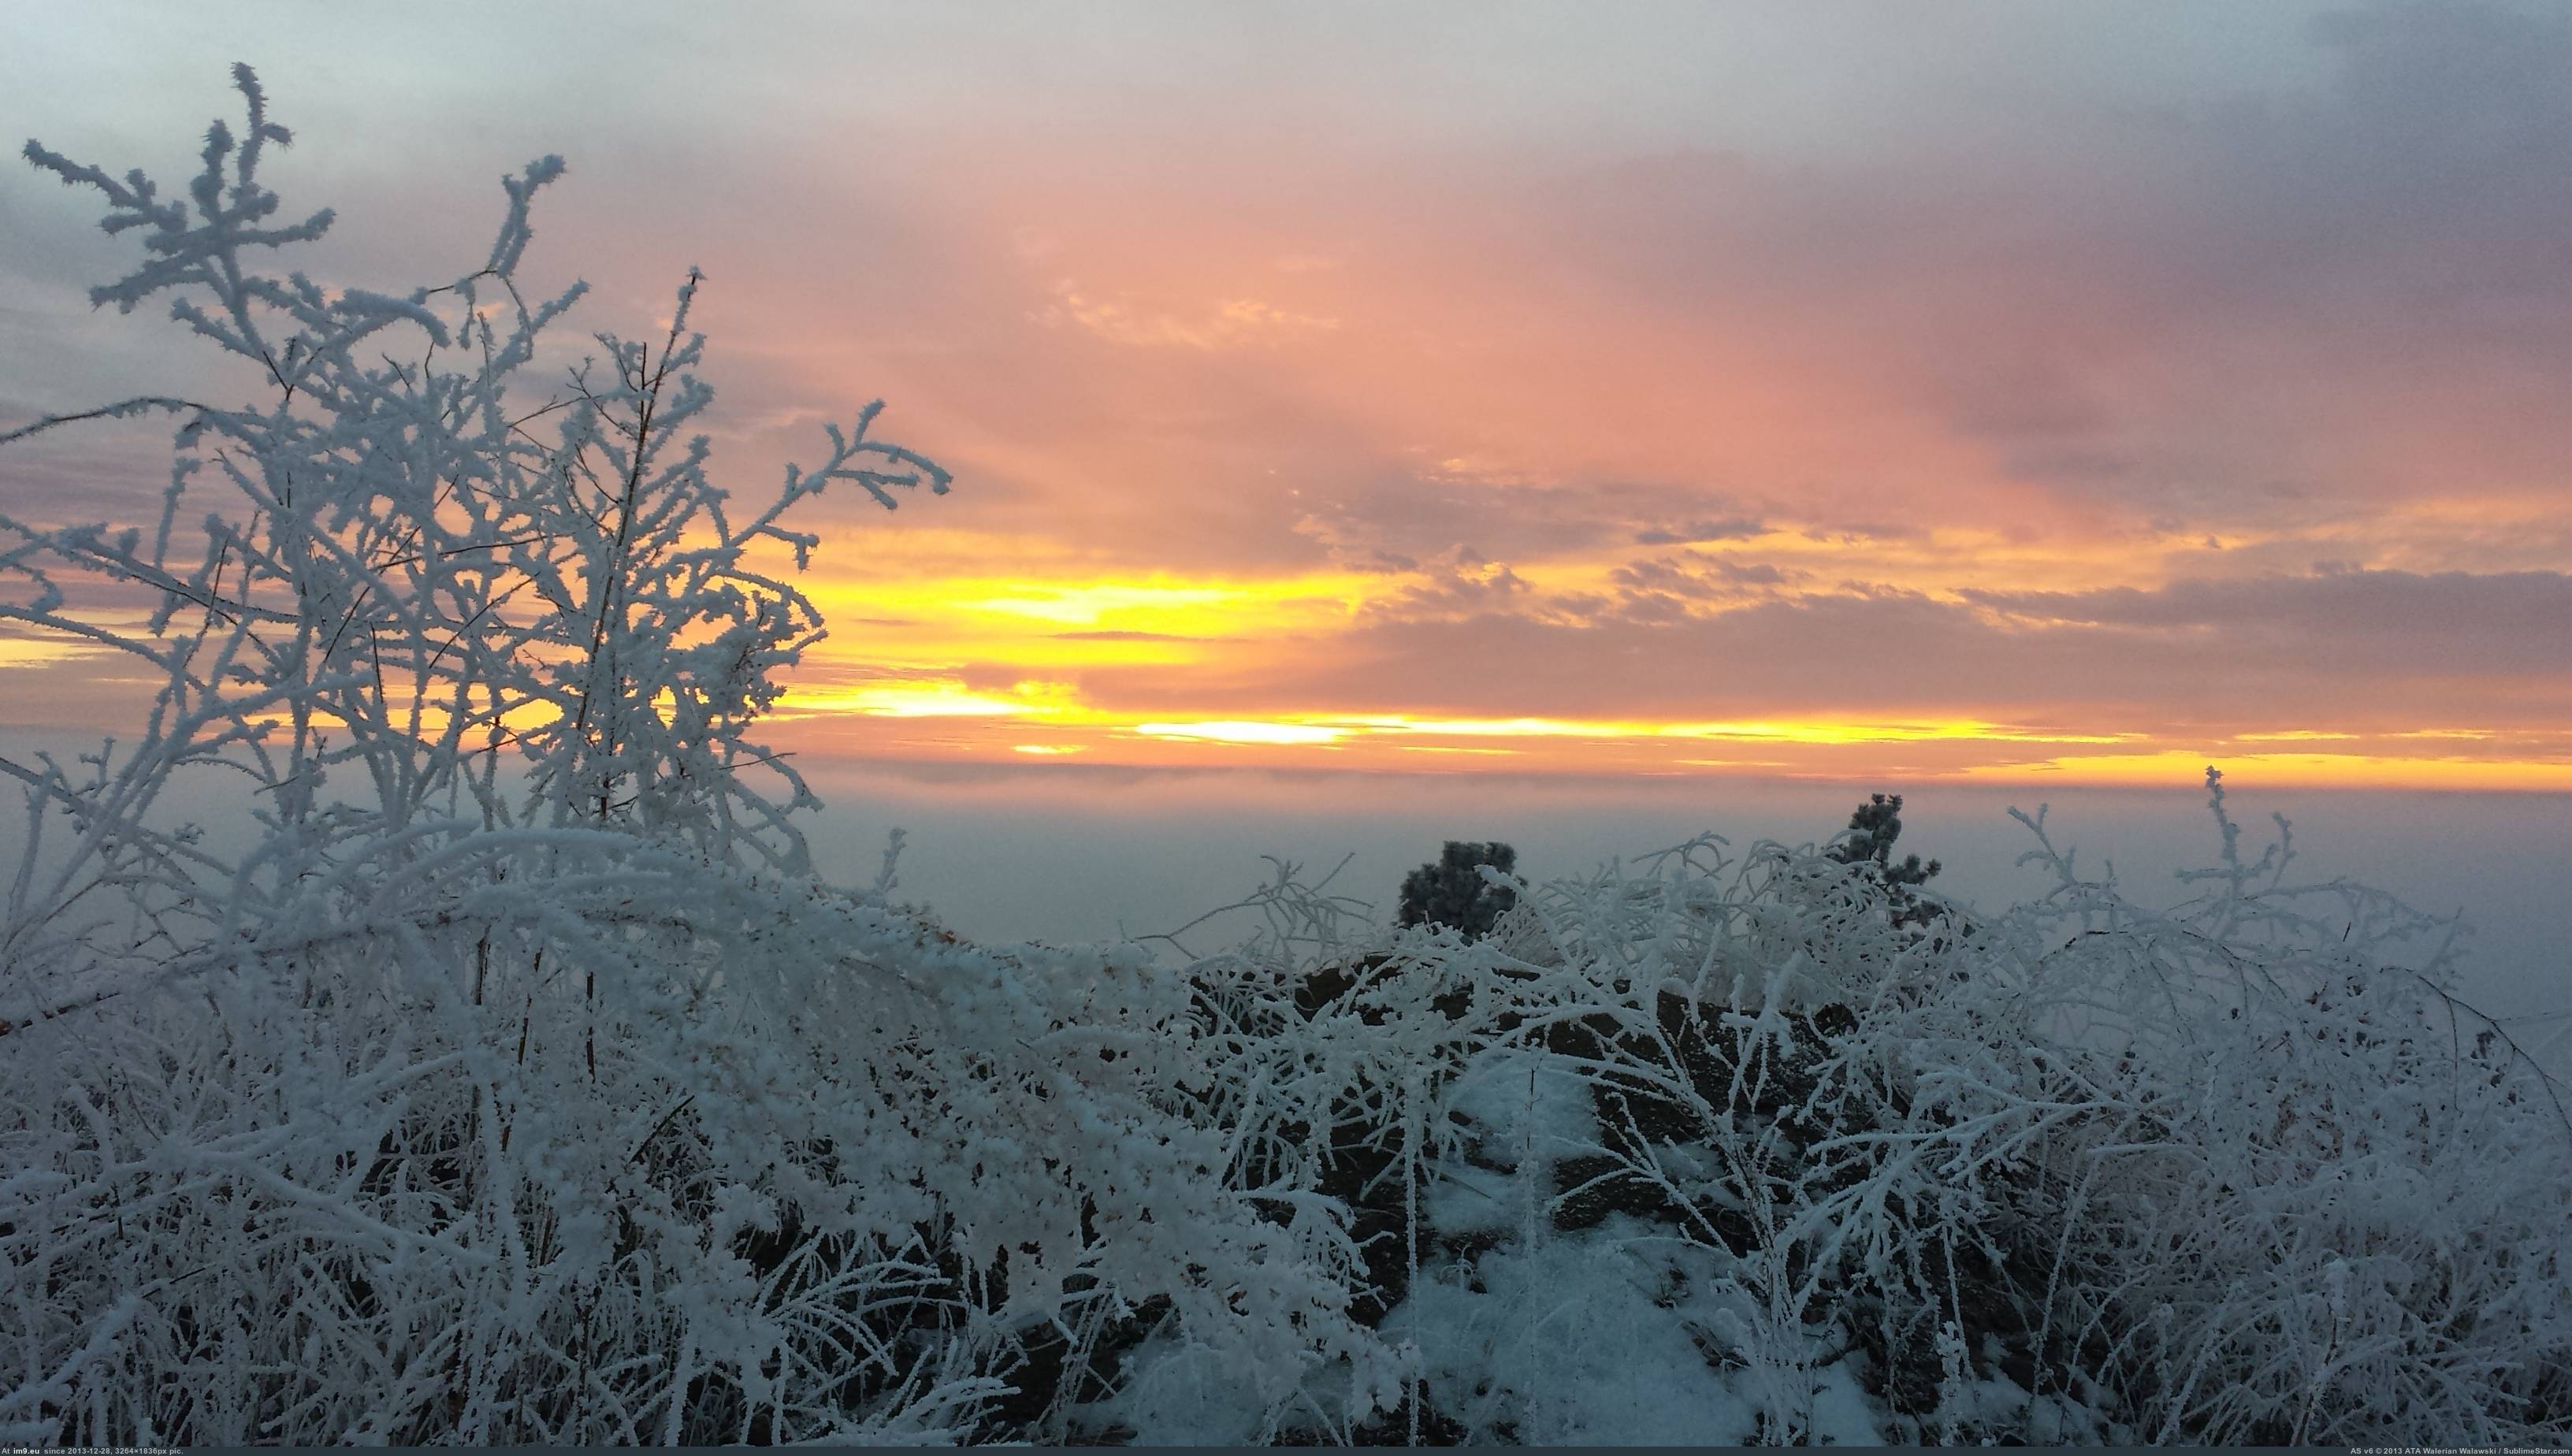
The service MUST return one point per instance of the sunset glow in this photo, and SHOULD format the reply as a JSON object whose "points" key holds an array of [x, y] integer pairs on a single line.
{"points": [[1309, 410]]}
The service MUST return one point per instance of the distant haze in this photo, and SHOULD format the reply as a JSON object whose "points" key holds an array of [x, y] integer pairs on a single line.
{"points": [[1037, 858]]}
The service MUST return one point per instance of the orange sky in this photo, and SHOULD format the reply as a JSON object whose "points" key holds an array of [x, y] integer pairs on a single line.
{"points": [[2068, 394]]}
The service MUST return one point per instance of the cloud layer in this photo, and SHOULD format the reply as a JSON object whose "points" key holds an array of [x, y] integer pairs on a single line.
{"points": [[2181, 380]]}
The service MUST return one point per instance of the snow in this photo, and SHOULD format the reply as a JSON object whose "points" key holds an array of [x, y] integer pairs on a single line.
{"points": [[1566, 1345], [1184, 1394], [1842, 1415], [1516, 1092]]}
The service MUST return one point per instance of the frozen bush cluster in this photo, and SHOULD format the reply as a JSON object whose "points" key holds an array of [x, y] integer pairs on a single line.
{"points": [[515, 1079], [520, 1083], [2242, 1169]]}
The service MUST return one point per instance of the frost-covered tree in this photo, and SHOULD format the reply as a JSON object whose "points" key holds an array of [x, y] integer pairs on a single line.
{"points": [[1869, 839], [1452, 891], [1867, 842]]}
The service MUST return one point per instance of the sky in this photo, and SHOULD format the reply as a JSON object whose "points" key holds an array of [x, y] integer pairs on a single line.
{"points": [[1431, 411], [2008, 394]]}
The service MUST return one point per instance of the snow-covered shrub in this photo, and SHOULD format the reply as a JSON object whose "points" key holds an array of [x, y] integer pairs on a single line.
{"points": [[2287, 1184], [518, 1081], [2241, 1170]]}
